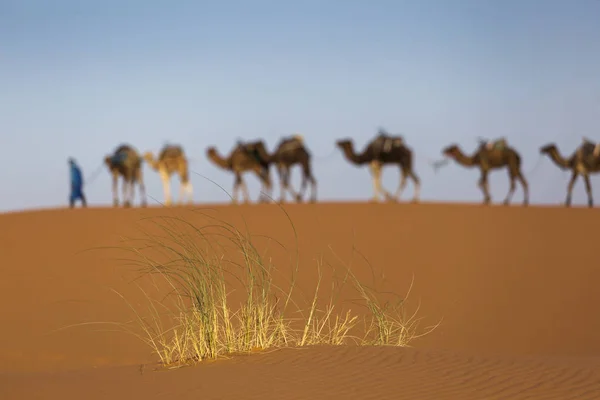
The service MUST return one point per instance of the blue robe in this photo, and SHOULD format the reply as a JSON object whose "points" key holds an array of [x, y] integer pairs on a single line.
{"points": [[76, 183]]}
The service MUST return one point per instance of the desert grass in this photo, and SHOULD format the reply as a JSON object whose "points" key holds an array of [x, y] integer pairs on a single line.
{"points": [[197, 319]]}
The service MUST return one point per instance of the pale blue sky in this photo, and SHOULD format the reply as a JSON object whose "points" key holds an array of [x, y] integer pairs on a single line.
{"points": [[77, 79]]}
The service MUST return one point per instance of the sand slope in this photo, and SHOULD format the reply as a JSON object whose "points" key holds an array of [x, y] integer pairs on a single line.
{"points": [[516, 288], [338, 373]]}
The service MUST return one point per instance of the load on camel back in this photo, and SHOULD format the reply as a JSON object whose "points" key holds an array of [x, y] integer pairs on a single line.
{"points": [[384, 142], [498, 144], [487, 146], [590, 150], [289, 143]]}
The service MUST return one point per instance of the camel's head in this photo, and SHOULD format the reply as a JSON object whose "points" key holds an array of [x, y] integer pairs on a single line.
{"points": [[451, 151], [344, 143], [211, 151], [547, 148], [108, 161], [148, 157]]}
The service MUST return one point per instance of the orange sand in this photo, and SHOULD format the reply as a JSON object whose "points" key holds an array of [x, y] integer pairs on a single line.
{"points": [[516, 288]]}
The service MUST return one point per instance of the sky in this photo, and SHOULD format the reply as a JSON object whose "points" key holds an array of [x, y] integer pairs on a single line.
{"points": [[78, 78]]}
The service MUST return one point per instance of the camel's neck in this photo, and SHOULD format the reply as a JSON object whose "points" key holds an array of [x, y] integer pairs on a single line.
{"points": [[154, 164], [219, 160], [559, 160], [353, 157], [463, 159]]}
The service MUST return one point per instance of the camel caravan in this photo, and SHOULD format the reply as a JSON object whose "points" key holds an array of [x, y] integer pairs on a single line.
{"points": [[384, 149]]}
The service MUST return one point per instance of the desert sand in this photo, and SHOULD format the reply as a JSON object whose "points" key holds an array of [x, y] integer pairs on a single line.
{"points": [[515, 289]]}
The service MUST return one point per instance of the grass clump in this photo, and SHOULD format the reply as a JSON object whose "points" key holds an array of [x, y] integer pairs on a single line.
{"points": [[217, 306]]}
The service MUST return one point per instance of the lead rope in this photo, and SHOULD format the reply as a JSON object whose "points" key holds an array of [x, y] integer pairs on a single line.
{"points": [[94, 175]]}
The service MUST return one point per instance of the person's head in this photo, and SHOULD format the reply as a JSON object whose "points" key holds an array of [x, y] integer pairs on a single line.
{"points": [[71, 161]]}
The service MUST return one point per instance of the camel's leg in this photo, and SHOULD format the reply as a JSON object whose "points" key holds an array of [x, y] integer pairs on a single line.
{"points": [[376, 174], [240, 184], [140, 181], [245, 192], [307, 176], [417, 183], [266, 192], [381, 190], [588, 189], [132, 192], [166, 182], [296, 195], [401, 186], [126, 191], [374, 178], [287, 185], [282, 172], [115, 188], [313, 188], [574, 177], [512, 188], [186, 183], [185, 186], [303, 186], [483, 184], [182, 193], [236, 187], [189, 188], [185, 190], [525, 187]]}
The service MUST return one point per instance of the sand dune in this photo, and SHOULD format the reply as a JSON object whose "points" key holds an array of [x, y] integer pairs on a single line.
{"points": [[328, 373], [516, 289]]}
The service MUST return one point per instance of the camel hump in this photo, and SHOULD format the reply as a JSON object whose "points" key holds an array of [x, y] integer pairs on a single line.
{"points": [[123, 148], [588, 148], [497, 144], [171, 151], [291, 143], [252, 144], [119, 157], [121, 154], [251, 147], [256, 150], [384, 143]]}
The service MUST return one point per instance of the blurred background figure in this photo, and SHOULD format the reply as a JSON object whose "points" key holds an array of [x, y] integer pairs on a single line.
{"points": [[76, 185]]}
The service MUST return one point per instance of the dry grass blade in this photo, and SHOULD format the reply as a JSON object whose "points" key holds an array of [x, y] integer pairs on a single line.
{"points": [[204, 325]]}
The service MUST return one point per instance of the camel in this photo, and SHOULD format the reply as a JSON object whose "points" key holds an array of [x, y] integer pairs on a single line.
{"points": [[584, 161], [172, 160], [249, 156], [384, 149], [291, 151], [126, 162], [489, 156]]}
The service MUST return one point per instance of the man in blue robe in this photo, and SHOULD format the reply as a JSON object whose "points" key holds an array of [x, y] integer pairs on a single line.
{"points": [[76, 185]]}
